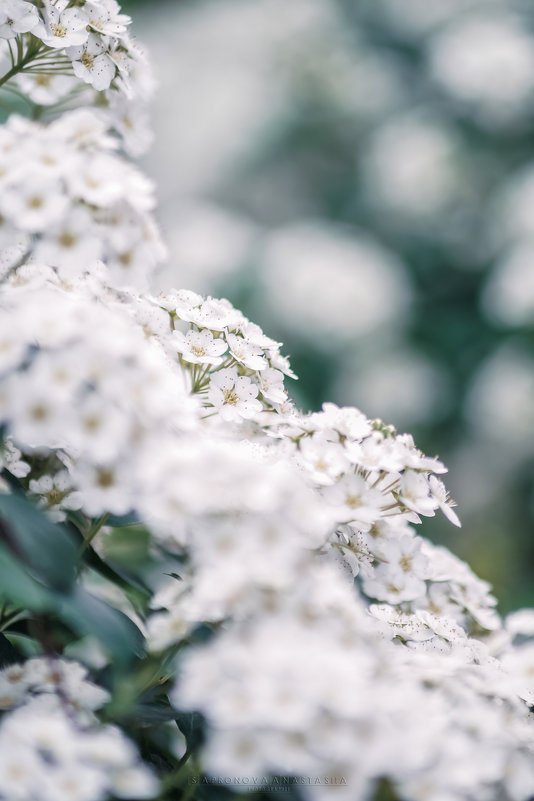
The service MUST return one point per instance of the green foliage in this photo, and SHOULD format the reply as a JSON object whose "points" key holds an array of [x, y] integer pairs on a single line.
{"points": [[39, 563]]}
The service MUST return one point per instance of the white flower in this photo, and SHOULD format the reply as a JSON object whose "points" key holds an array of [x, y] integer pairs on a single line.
{"points": [[199, 347], [73, 782], [56, 494], [245, 353], [324, 459], [234, 396], [13, 461], [47, 752], [441, 496], [404, 552], [12, 691], [37, 418], [104, 488], [62, 26], [105, 17], [354, 500], [206, 313], [70, 243], [347, 421], [272, 385], [21, 770], [43, 89], [165, 629], [132, 122], [393, 584], [35, 204], [99, 430], [136, 782], [414, 492], [92, 64], [486, 60], [17, 16]]}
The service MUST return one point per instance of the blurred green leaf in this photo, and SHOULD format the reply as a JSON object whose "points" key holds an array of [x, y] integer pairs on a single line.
{"points": [[46, 547], [18, 587], [191, 724], [128, 545], [87, 614], [27, 646], [8, 654]]}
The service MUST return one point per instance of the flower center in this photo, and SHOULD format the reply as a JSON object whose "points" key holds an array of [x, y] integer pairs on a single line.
{"points": [[231, 397], [105, 478], [59, 30], [39, 412], [35, 202], [43, 80], [125, 259], [88, 60], [67, 240], [92, 422], [54, 497], [406, 563]]}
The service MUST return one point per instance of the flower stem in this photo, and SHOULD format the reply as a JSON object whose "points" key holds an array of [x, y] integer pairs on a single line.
{"points": [[93, 531], [34, 51]]}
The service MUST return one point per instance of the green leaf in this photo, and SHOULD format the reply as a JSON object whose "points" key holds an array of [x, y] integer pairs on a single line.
{"points": [[8, 654], [128, 546], [87, 614], [191, 724], [47, 548], [152, 714], [21, 589], [27, 646]]}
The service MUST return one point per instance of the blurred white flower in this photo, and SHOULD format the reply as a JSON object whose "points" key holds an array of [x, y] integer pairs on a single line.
{"points": [[403, 386], [45, 90], [512, 217], [411, 166], [486, 61], [222, 82], [207, 242], [500, 402], [331, 286], [508, 296]]}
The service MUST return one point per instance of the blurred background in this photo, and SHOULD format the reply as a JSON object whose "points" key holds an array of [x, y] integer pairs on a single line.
{"points": [[358, 177]]}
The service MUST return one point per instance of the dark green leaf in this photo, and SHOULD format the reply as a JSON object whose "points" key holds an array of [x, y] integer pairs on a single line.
{"points": [[8, 654], [19, 587], [47, 548], [191, 724], [87, 614]]}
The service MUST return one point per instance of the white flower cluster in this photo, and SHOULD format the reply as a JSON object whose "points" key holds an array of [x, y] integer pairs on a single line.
{"points": [[375, 483], [68, 199], [91, 398], [51, 745], [94, 401], [60, 53], [259, 547], [238, 369], [46, 755], [20, 683], [309, 690], [92, 33]]}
